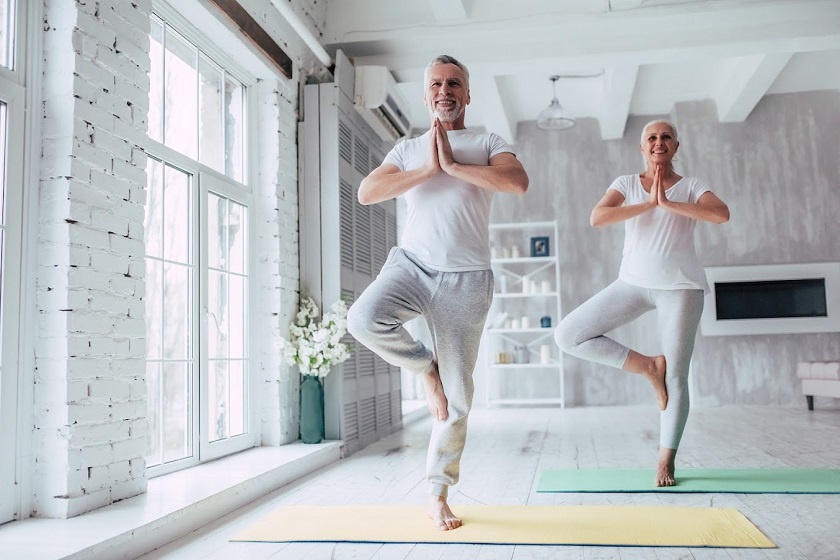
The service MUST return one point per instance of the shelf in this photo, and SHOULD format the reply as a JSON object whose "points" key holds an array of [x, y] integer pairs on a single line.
{"points": [[513, 275], [523, 225], [520, 402], [550, 365], [520, 260], [531, 330], [511, 295]]}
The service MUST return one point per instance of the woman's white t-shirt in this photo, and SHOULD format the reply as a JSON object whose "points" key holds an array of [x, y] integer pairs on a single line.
{"points": [[659, 250], [447, 219]]}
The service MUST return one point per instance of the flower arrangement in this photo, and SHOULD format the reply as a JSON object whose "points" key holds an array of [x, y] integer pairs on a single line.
{"points": [[315, 346]]}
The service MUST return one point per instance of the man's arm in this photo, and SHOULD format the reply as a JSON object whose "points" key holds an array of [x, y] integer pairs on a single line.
{"points": [[503, 174], [387, 182]]}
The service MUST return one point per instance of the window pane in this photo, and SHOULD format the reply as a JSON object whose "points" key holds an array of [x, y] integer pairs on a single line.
{"points": [[234, 129], [154, 309], [237, 232], [217, 253], [236, 409], [176, 216], [210, 133], [180, 100], [218, 405], [153, 224], [176, 411], [238, 316], [156, 81], [218, 322], [8, 9], [153, 414], [177, 321]]}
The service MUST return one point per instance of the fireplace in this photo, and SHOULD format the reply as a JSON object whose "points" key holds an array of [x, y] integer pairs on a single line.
{"points": [[772, 299]]}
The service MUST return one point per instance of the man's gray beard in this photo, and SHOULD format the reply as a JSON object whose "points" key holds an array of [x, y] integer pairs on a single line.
{"points": [[447, 116]]}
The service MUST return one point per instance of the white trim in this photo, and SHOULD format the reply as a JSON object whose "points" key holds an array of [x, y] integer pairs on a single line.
{"points": [[32, 74], [711, 326], [211, 450], [13, 96], [197, 23]]}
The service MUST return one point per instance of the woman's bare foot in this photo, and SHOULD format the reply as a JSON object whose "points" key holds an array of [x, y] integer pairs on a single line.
{"points": [[656, 376], [654, 370], [435, 397], [665, 467], [441, 515]]}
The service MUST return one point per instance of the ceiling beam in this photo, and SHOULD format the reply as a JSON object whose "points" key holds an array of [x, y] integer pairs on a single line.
{"points": [[449, 10], [745, 82], [488, 100], [619, 83]]}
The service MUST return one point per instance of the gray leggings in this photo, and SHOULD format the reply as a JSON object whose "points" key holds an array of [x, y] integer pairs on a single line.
{"points": [[455, 306], [581, 334]]}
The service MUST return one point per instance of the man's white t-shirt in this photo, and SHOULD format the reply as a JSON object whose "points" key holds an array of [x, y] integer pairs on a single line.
{"points": [[447, 219], [659, 248]]}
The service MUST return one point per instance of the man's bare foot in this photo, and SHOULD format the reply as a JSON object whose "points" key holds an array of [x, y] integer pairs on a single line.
{"points": [[656, 376], [441, 515], [665, 467], [435, 397]]}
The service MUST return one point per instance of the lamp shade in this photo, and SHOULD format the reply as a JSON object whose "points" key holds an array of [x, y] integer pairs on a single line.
{"points": [[554, 117]]}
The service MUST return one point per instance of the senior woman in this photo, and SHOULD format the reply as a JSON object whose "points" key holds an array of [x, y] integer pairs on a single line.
{"points": [[659, 270]]}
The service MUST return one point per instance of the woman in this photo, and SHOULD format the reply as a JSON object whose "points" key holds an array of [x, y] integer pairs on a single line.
{"points": [[659, 270]]}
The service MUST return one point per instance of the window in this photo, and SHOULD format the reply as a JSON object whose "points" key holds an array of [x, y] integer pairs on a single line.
{"points": [[12, 100], [198, 242]]}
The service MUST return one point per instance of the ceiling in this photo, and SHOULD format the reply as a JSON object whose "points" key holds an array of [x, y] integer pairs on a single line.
{"points": [[641, 56]]}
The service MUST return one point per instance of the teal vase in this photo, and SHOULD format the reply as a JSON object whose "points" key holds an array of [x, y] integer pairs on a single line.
{"points": [[311, 409]]}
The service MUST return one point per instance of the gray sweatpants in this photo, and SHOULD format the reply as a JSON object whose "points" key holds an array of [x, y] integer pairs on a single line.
{"points": [[454, 305], [581, 334]]}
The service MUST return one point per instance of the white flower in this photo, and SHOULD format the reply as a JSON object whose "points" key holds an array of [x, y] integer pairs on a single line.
{"points": [[316, 346]]}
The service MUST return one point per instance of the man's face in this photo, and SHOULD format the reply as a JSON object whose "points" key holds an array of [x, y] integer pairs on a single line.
{"points": [[447, 92]]}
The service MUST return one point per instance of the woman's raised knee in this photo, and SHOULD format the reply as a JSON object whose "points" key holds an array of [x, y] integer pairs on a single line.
{"points": [[564, 336]]}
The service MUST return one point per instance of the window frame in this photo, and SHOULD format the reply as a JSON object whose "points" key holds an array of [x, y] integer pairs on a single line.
{"points": [[206, 180]]}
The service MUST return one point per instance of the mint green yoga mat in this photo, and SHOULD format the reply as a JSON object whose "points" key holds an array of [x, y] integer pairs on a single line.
{"points": [[734, 481]]}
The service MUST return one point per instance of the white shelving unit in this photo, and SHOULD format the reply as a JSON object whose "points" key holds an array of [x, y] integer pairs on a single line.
{"points": [[527, 290]]}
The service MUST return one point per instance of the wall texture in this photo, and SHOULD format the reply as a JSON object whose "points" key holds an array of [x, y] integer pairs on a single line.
{"points": [[780, 175]]}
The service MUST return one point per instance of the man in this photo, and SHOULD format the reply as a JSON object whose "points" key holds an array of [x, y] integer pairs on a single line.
{"points": [[442, 268]]}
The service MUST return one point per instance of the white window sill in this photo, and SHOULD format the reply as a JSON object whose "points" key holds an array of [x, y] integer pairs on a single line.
{"points": [[174, 505]]}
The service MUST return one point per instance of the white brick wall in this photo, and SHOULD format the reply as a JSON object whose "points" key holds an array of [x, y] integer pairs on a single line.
{"points": [[90, 430]]}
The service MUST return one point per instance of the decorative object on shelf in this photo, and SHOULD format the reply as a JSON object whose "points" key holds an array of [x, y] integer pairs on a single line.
{"points": [[539, 247], [515, 252], [545, 322], [315, 347], [514, 324], [525, 322], [505, 253], [521, 354], [546, 286], [311, 409], [545, 354]]}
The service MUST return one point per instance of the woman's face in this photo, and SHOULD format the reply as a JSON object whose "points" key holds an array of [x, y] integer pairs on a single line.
{"points": [[659, 145]]}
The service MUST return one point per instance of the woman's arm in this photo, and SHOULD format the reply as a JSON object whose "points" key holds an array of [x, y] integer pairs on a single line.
{"points": [[611, 209], [708, 208]]}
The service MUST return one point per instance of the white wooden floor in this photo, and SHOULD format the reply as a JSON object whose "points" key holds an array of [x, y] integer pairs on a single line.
{"points": [[508, 448]]}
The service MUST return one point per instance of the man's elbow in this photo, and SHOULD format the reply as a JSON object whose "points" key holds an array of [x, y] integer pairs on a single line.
{"points": [[364, 195], [520, 184]]}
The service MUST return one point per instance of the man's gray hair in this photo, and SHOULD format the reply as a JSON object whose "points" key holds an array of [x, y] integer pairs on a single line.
{"points": [[446, 59]]}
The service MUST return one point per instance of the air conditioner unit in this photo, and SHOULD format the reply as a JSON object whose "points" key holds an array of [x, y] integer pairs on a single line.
{"points": [[380, 102]]}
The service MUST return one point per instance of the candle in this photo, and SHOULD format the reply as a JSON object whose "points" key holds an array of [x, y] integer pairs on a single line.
{"points": [[546, 287], [545, 354]]}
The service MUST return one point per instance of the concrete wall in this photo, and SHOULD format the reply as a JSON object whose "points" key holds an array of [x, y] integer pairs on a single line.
{"points": [[780, 175]]}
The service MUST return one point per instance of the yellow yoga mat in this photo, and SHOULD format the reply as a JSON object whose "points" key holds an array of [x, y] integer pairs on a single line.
{"points": [[544, 525]]}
